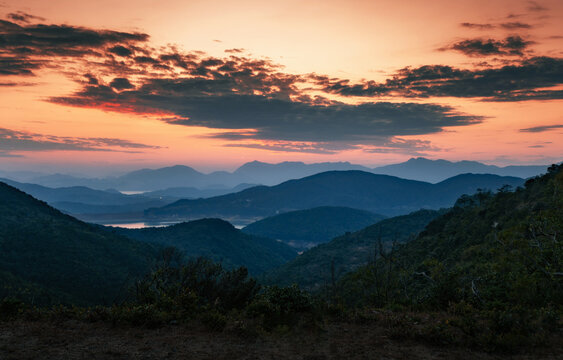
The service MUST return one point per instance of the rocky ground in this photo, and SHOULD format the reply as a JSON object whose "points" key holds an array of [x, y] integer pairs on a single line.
{"points": [[71, 339]]}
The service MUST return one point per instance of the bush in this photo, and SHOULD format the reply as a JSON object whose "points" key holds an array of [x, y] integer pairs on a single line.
{"points": [[280, 306]]}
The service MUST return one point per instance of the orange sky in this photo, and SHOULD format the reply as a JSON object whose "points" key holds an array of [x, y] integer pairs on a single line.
{"points": [[357, 41]]}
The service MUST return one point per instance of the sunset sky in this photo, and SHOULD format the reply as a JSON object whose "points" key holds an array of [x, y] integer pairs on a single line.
{"points": [[102, 86]]}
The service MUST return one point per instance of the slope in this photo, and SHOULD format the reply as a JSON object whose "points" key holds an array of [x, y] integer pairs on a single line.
{"points": [[312, 269], [56, 258], [381, 194], [492, 250], [218, 240], [307, 228]]}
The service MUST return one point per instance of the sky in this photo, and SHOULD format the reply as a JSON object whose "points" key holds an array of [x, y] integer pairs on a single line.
{"points": [[99, 86]]}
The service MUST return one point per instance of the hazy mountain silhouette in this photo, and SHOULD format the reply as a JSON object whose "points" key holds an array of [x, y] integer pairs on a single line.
{"points": [[257, 172], [437, 170], [307, 228], [381, 194], [82, 200]]}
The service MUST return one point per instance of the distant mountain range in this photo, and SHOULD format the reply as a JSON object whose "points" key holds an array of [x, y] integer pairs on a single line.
{"points": [[381, 194], [304, 229], [256, 172], [97, 205], [438, 170]]}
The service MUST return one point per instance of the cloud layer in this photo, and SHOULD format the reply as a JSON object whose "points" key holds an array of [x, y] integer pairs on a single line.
{"points": [[12, 141], [254, 101]]}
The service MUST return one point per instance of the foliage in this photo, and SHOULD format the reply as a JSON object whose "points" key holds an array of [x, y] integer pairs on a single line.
{"points": [[280, 306], [499, 254], [218, 240], [188, 287], [47, 257], [306, 228], [312, 270]]}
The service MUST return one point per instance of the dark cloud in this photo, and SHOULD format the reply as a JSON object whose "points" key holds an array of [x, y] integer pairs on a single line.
{"points": [[522, 81], [120, 50], [266, 105], [515, 25], [293, 146], [121, 84], [28, 47], [20, 16], [234, 51], [20, 141], [543, 128], [512, 45], [398, 145], [14, 84], [16, 66], [478, 26], [534, 6], [61, 39]]}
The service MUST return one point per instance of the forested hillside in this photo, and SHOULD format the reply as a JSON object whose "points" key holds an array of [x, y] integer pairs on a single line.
{"points": [[307, 228], [47, 257], [491, 250], [316, 268], [217, 240]]}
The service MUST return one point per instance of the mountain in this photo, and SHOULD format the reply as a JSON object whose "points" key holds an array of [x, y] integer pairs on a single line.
{"points": [[79, 200], [306, 228], [273, 174], [438, 170], [381, 194], [177, 193], [312, 269], [48, 257], [180, 176], [167, 177], [218, 240], [256, 172], [496, 251]]}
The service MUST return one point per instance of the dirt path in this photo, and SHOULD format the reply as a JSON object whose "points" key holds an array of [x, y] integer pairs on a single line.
{"points": [[79, 340]]}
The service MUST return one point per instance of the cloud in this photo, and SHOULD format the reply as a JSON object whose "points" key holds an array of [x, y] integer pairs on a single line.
{"points": [[234, 51], [265, 104], [515, 25], [529, 79], [534, 6], [397, 145], [28, 47], [22, 17], [22, 141], [512, 45], [542, 128], [296, 146], [121, 84], [120, 50], [18, 66], [18, 83], [478, 26]]}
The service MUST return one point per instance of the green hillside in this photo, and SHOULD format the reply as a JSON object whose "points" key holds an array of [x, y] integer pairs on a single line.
{"points": [[306, 228], [47, 257], [312, 270], [218, 240], [494, 251]]}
